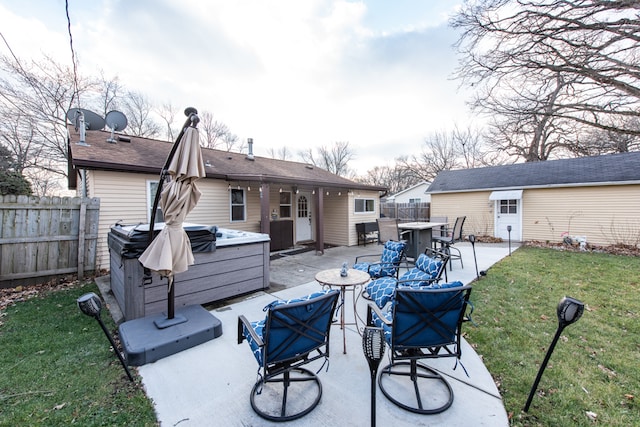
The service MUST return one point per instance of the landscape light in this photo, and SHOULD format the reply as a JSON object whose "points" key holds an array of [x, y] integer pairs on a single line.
{"points": [[569, 311], [472, 239], [373, 347], [91, 305]]}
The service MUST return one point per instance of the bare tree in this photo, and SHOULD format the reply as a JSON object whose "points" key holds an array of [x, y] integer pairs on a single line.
{"points": [[546, 69], [111, 91], [216, 134], [282, 153], [138, 109], [34, 99], [335, 159], [439, 153], [396, 178], [168, 114]]}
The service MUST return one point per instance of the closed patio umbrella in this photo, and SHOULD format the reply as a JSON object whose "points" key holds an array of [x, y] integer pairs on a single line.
{"points": [[170, 252]]}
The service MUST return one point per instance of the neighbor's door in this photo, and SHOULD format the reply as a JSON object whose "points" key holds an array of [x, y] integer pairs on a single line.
{"points": [[508, 214], [303, 217]]}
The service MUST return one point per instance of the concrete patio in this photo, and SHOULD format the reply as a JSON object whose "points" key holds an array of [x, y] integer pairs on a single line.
{"points": [[210, 384]]}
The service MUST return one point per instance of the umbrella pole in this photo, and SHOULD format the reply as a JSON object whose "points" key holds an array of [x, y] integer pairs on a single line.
{"points": [[190, 112], [171, 299], [192, 120]]}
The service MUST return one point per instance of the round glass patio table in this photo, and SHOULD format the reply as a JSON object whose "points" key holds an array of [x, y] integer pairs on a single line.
{"points": [[353, 280]]}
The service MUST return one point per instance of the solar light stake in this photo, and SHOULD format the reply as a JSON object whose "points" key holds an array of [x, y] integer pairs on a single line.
{"points": [[91, 305], [569, 311], [509, 231], [472, 239], [373, 346]]}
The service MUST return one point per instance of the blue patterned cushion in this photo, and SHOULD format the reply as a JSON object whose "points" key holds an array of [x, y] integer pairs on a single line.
{"points": [[389, 260], [259, 325], [429, 265], [291, 301], [381, 290], [388, 315]]}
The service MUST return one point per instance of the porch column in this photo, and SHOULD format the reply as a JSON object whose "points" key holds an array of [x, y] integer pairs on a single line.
{"points": [[265, 226], [319, 213]]}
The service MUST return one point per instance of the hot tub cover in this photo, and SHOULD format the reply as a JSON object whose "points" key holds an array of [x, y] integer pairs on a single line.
{"points": [[130, 241]]}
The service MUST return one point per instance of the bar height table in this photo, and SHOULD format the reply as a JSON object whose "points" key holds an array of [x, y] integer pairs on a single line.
{"points": [[420, 236]]}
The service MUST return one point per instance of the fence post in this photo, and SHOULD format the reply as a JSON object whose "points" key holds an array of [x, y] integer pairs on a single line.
{"points": [[81, 237]]}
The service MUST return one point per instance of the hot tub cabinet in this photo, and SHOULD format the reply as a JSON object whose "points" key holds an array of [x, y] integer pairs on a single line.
{"points": [[239, 264]]}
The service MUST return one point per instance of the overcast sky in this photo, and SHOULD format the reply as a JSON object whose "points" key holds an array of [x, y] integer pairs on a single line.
{"points": [[294, 73]]}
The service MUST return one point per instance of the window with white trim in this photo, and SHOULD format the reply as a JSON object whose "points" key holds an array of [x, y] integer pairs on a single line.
{"points": [[365, 205], [285, 204], [152, 189], [238, 207]]}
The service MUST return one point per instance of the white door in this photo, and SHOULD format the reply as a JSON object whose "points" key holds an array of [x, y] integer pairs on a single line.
{"points": [[303, 217], [508, 215]]}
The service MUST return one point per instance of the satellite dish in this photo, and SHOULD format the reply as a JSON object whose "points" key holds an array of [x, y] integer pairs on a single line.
{"points": [[116, 121], [84, 120], [92, 121]]}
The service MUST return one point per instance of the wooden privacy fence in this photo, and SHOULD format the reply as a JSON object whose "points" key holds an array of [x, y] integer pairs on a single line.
{"points": [[46, 237], [406, 211]]}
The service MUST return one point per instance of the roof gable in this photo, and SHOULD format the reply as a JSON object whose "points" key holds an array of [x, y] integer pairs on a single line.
{"points": [[607, 169]]}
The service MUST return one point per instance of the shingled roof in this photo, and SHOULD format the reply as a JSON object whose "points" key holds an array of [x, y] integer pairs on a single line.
{"points": [[597, 170], [144, 155]]}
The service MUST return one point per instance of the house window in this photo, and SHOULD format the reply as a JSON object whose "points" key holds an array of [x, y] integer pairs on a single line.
{"points": [[508, 206], [285, 204], [238, 207], [365, 205], [152, 189], [418, 200]]}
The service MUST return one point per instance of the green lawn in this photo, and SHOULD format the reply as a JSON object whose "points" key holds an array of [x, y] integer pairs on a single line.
{"points": [[57, 368], [593, 375]]}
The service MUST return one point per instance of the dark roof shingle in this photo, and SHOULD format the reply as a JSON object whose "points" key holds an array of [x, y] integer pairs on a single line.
{"points": [[610, 168], [144, 155]]}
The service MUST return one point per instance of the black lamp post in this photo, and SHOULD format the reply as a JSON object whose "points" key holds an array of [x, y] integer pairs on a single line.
{"points": [[91, 305], [373, 346], [472, 239], [509, 231], [569, 311]]}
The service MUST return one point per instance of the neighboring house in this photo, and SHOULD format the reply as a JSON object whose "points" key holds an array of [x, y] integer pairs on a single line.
{"points": [[593, 197], [414, 194], [240, 191]]}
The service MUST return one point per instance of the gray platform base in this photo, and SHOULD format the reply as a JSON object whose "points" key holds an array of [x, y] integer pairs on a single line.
{"points": [[143, 342]]}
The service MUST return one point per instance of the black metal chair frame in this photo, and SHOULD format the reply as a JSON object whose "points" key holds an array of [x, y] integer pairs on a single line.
{"points": [[451, 236], [277, 364], [406, 349]]}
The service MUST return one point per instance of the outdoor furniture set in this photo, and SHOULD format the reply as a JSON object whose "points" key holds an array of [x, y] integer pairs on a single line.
{"points": [[419, 318]]}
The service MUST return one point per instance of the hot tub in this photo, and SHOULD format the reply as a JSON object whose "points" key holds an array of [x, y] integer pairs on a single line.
{"points": [[236, 264], [228, 236]]}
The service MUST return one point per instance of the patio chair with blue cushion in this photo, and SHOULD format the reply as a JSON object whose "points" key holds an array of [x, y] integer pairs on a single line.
{"points": [[387, 264], [292, 334], [421, 323], [428, 270]]}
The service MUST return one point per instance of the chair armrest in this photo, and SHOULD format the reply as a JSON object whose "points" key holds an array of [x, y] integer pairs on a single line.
{"points": [[242, 321], [376, 256], [373, 308]]}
